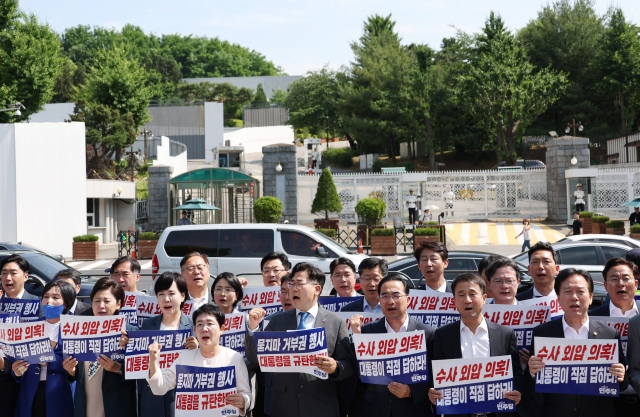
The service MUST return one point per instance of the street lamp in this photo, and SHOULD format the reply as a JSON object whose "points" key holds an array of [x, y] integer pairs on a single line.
{"points": [[14, 108], [574, 160], [278, 167], [574, 126]]}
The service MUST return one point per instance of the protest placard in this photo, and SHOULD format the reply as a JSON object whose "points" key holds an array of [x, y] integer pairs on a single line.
{"points": [[293, 351], [26, 341], [267, 298], [136, 354], [234, 332], [129, 307], [555, 309], [577, 366], [202, 392], [522, 319], [367, 318], [10, 318], [392, 357], [334, 304], [187, 308], [474, 385], [28, 310], [86, 338], [621, 324], [146, 307], [433, 308]]}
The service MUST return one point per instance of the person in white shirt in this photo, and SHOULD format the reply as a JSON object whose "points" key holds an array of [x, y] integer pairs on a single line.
{"points": [[433, 259], [343, 277], [195, 270], [504, 278], [448, 198], [621, 286], [578, 198], [208, 322], [543, 268], [411, 205], [425, 217]]}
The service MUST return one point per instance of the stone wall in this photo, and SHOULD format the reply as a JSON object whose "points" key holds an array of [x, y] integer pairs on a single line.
{"points": [[559, 154], [284, 184], [159, 177]]}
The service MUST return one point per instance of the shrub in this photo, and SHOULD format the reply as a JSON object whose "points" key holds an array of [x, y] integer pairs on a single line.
{"points": [[370, 211], [426, 231], [327, 232], [327, 199], [340, 157], [615, 224], [148, 236], [85, 238], [233, 123], [635, 228], [586, 215], [382, 232], [267, 209], [600, 219], [432, 223]]}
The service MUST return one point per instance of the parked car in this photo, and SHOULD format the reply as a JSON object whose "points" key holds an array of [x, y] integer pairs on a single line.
{"points": [[42, 270], [27, 247], [459, 263], [530, 164], [621, 240]]}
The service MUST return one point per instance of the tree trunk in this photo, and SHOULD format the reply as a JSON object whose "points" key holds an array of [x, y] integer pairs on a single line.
{"points": [[428, 134], [352, 143], [392, 151]]}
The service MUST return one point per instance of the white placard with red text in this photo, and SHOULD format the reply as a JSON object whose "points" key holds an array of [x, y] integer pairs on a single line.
{"points": [[522, 319], [26, 341], [267, 298], [621, 324], [85, 338], [433, 308], [234, 331], [550, 300]]}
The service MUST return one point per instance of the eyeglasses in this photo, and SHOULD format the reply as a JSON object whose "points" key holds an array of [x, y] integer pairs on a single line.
{"points": [[293, 284], [624, 280], [202, 326], [274, 271], [504, 281], [395, 296], [191, 268], [366, 280], [224, 291], [340, 276], [284, 292]]}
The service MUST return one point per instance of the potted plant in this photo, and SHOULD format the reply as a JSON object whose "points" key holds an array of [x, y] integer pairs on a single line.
{"points": [[585, 218], [147, 242], [425, 234], [331, 233], [383, 242], [85, 247], [635, 231], [267, 209], [326, 201], [370, 211], [598, 224], [615, 227]]}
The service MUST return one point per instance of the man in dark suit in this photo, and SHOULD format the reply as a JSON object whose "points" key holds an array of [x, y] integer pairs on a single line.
{"points": [[433, 259], [543, 268], [475, 337], [15, 272], [298, 394], [482, 266], [73, 277], [575, 294], [395, 399], [371, 270]]}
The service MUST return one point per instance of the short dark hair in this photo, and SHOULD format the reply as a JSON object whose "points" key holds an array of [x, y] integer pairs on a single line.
{"points": [[543, 246], [566, 273], [285, 278], [468, 277], [499, 263], [315, 274], [69, 273], [394, 276], [210, 309], [166, 280], [134, 265], [372, 263], [633, 255], [276, 255], [484, 262], [66, 290], [190, 255], [106, 283], [613, 262], [341, 261], [233, 281], [19, 260], [437, 247]]}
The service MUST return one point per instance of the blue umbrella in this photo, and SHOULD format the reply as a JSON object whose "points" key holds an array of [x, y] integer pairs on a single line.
{"points": [[633, 203]]}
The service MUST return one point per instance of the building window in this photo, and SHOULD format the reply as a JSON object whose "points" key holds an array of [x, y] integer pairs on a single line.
{"points": [[93, 212]]}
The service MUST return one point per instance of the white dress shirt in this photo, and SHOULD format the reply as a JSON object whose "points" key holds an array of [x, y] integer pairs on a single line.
{"points": [[617, 312], [570, 332], [474, 345], [443, 287], [309, 322], [411, 201], [536, 293], [199, 302], [403, 328], [367, 308]]}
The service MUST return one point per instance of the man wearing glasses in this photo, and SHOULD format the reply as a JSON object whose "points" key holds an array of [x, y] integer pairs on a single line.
{"points": [[274, 266], [372, 270], [299, 394], [195, 270], [395, 399], [504, 278], [343, 277]]}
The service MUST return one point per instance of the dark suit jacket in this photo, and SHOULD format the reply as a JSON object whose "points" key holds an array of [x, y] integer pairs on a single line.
{"points": [[119, 396], [80, 308], [379, 401], [151, 405], [525, 295], [355, 306], [299, 394], [633, 352], [502, 341], [602, 311], [25, 296], [563, 405]]}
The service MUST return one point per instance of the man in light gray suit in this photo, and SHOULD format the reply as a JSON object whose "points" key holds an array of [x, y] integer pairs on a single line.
{"points": [[298, 394]]}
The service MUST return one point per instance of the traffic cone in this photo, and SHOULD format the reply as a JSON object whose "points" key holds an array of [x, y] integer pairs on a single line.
{"points": [[360, 249], [134, 255], [310, 170]]}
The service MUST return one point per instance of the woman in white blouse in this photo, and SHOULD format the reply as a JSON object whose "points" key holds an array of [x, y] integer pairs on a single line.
{"points": [[208, 321]]}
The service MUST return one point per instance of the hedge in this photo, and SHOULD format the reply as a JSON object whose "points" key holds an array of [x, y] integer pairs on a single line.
{"points": [[86, 238], [635, 228], [327, 232], [426, 231], [600, 219], [370, 211], [148, 236], [341, 157], [586, 215], [267, 209], [615, 224], [382, 232]]}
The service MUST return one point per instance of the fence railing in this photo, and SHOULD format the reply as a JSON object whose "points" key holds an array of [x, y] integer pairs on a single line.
{"points": [[142, 209]]}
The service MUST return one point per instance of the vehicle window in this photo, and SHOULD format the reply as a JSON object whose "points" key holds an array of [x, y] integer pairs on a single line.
{"points": [[181, 242], [619, 242], [298, 244], [43, 266], [613, 252], [245, 243], [412, 272], [523, 258], [459, 264], [3, 248], [581, 255]]}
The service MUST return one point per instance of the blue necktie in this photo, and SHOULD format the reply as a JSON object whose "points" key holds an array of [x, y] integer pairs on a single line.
{"points": [[303, 317]]}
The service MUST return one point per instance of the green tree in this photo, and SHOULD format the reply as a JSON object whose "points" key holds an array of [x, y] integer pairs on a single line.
{"points": [[327, 199], [279, 96], [30, 61], [234, 98], [267, 209], [260, 99]]}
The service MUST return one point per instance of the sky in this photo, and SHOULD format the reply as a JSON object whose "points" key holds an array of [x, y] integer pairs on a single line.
{"points": [[297, 35]]}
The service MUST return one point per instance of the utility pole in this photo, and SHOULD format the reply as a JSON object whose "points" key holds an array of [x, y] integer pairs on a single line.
{"points": [[131, 162], [145, 132]]}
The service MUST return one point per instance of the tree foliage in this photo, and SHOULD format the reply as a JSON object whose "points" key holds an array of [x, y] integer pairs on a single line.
{"points": [[371, 211], [234, 98], [260, 99], [267, 210], [326, 200]]}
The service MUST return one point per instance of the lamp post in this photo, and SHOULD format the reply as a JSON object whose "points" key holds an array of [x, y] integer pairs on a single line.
{"points": [[14, 108], [574, 125]]}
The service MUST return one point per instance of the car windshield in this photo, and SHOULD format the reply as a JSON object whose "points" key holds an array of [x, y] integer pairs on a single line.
{"points": [[45, 265], [330, 243]]}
